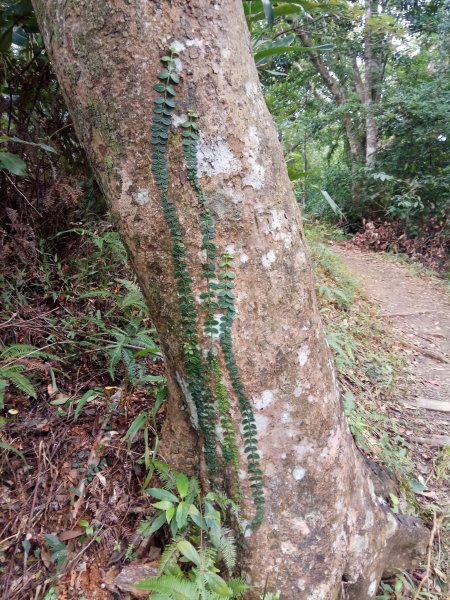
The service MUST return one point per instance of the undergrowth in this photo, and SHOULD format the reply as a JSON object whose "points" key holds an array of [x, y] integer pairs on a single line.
{"points": [[78, 348]]}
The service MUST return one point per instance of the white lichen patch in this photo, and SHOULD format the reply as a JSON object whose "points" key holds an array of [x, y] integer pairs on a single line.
{"points": [[279, 227], [301, 526], [298, 473], [368, 523], [178, 120], [255, 177], [360, 544], [261, 423], [305, 447], [331, 450], [142, 196], [219, 433], [189, 401], [178, 46], [285, 417], [217, 317], [231, 249], [289, 548], [243, 257], [268, 259], [392, 525], [303, 354], [178, 65], [372, 588], [265, 400], [251, 89], [321, 592], [270, 470], [195, 42], [225, 53], [277, 220], [291, 433], [215, 157], [298, 391]]}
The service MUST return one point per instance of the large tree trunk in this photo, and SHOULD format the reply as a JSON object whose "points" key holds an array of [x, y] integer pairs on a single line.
{"points": [[327, 526]]}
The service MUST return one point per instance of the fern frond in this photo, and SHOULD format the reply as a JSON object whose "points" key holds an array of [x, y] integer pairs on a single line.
{"points": [[133, 300], [145, 341], [17, 351], [168, 558], [237, 586], [97, 294], [194, 489], [3, 386], [22, 351], [227, 548], [14, 376], [174, 587], [114, 357], [167, 475], [134, 297], [129, 362]]}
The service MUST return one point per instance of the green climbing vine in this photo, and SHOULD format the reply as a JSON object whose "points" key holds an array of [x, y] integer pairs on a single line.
{"points": [[206, 383], [197, 380], [226, 303]]}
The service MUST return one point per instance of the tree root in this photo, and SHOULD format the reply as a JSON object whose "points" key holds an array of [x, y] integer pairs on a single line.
{"points": [[389, 543]]}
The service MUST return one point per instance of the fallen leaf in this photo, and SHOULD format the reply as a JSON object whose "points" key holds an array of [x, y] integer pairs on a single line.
{"points": [[71, 534]]}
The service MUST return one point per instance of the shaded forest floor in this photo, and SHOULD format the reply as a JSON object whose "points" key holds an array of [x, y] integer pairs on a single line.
{"points": [[75, 447]]}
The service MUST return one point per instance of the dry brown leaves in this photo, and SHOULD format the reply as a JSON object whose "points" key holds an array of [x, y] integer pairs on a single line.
{"points": [[430, 250], [39, 498]]}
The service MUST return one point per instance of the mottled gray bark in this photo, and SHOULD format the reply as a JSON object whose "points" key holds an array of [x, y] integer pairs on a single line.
{"points": [[371, 82], [324, 518]]}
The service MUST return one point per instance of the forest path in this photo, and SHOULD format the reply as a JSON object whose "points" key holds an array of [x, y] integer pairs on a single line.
{"points": [[418, 307]]}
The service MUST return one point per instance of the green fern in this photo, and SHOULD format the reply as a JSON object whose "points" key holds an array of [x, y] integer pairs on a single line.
{"points": [[203, 584], [168, 558], [14, 376], [134, 298], [11, 370], [22, 351], [171, 587], [227, 548]]}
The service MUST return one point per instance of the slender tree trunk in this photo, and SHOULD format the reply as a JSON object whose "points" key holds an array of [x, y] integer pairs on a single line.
{"points": [[371, 78], [327, 526], [357, 152]]}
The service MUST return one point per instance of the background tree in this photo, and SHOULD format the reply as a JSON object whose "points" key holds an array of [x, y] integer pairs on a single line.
{"points": [[405, 43], [325, 517]]}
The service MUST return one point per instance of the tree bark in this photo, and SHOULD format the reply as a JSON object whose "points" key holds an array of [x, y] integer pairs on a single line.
{"points": [[371, 81], [327, 526]]}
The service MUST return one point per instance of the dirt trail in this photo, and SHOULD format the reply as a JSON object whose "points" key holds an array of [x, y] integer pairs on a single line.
{"points": [[419, 309]]}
